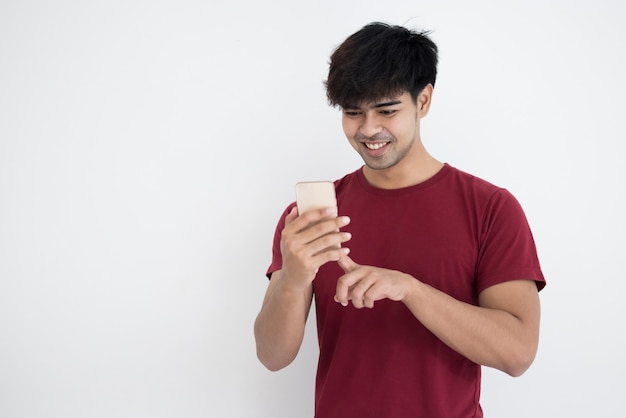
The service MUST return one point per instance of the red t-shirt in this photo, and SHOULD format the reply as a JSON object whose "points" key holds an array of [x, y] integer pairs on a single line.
{"points": [[455, 232]]}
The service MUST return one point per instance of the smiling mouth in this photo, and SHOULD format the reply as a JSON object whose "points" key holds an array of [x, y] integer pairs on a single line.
{"points": [[374, 145]]}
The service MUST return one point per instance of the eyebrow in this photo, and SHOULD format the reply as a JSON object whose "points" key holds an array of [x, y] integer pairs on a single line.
{"points": [[385, 104], [377, 105]]}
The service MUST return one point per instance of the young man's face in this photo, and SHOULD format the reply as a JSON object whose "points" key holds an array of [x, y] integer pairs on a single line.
{"points": [[383, 132]]}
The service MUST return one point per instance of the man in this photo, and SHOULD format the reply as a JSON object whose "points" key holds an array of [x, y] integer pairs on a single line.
{"points": [[443, 262]]}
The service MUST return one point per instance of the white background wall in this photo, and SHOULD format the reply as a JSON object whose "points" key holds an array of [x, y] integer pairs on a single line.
{"points": [[147, 149]]}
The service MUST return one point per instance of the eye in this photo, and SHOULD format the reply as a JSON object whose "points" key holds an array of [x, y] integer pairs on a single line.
{"points": [[388, 112], [352, 113]]}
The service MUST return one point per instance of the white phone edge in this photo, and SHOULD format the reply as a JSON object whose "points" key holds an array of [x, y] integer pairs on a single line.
{"points": [[312, 195]]}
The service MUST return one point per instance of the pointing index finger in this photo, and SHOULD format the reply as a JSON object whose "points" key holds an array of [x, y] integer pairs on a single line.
{"points": [[347, 264]]}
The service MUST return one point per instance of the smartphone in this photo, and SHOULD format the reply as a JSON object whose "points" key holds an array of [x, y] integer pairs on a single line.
{"points": [[312, 195]]}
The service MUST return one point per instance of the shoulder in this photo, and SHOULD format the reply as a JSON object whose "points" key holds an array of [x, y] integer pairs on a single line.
{"points": [[348, 179], [475, 190], [470, 181], [347, 182], [489, 203]]}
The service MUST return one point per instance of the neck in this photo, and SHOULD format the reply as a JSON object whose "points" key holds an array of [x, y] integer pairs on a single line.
{"points": [[404, 175]]}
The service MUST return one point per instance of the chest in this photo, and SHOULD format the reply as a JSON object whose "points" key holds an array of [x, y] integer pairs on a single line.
{"points": [[434, 240]]}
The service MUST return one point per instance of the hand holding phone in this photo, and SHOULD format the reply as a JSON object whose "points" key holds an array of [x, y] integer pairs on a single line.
{"points": [[315, 195]]}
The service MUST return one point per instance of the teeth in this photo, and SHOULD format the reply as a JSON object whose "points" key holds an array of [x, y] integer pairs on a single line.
{"points": [[374, 146]]}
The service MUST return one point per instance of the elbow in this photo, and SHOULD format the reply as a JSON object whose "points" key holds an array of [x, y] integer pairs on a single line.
{"points": [[516, 370], [269, 354], [271, 361], [521, 361], [272, 366], [268, 363]]}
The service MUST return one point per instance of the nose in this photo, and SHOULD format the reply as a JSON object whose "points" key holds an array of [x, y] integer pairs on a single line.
{"points": [[371, 125]]}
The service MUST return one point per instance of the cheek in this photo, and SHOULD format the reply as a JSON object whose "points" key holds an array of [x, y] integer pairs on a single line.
{"points": [[350, 130], [405, 129], [347, 128]]}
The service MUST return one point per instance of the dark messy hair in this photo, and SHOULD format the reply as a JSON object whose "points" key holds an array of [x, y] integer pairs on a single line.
{"points": [[380, 61]]}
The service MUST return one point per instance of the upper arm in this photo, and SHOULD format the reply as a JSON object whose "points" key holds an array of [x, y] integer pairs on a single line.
{"points": [[519, 298]]}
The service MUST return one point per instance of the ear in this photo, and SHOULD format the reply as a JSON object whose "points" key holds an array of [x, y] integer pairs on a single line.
{"points": [[424, 99]]}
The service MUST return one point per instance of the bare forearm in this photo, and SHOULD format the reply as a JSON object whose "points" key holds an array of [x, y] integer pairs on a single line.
{"points": [[279, 327], [308, 241], [486, 335]]}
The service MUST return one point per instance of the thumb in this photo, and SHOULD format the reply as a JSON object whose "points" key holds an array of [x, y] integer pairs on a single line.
{"points": [[347, 264], [293, 214]]}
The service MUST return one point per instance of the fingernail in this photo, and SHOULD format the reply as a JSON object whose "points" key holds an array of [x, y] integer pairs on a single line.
{"points": [[342, 303], [344, 220]]}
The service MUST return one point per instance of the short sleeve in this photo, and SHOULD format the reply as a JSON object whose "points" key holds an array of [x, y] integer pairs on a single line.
{"points": [[277, 258], [507, 249]]}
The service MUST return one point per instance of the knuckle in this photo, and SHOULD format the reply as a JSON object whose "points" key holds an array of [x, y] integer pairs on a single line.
{"points": [[310, 216], [329, 240], [289, 246]]}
